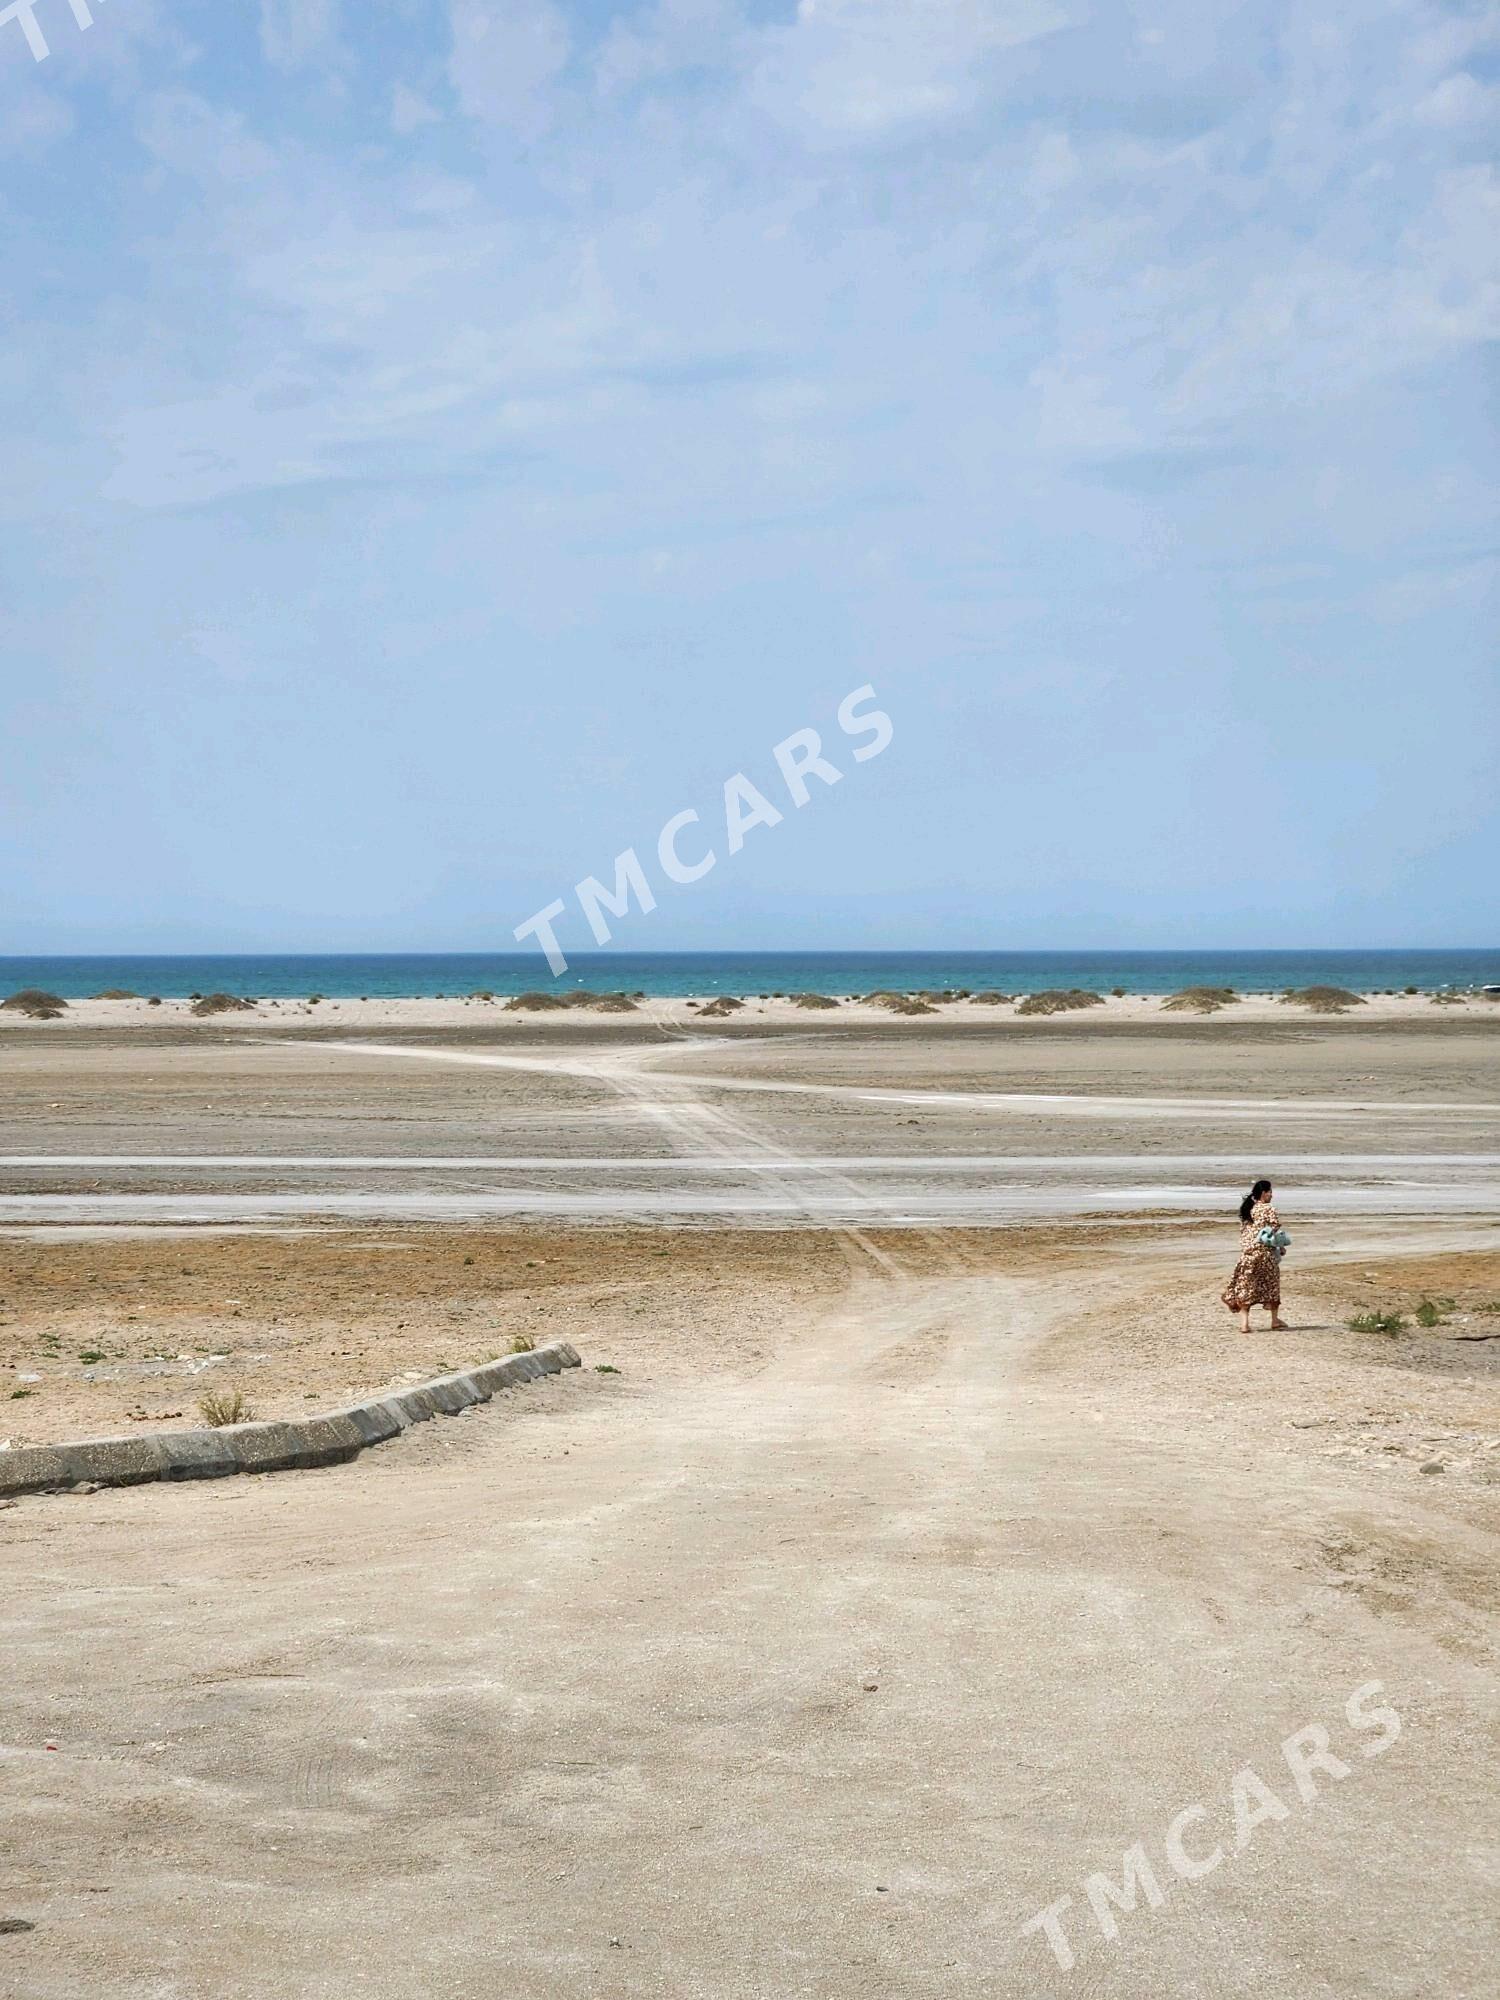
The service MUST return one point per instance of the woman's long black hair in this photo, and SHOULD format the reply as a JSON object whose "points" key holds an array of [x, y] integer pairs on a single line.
{"points": [[1260, 1188]]}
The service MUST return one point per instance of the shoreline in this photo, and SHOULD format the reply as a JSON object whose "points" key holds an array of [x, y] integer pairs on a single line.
{"points": [[679, 1012]]}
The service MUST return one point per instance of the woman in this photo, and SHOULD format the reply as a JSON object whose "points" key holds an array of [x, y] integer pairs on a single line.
{"points": [[1257, 1276]]}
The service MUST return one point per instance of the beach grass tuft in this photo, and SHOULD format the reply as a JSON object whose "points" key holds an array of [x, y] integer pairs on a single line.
{"points": [[222, 1003], [1059, 1000], [225, 1406], [1322, 999], [35, 1004], [1200, 1000]]}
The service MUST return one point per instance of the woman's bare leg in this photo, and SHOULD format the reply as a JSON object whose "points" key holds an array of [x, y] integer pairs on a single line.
{"points": [[1278, 1324], [1244, 1319]]}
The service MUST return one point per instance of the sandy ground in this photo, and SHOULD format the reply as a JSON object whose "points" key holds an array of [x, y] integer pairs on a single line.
{"points": [[904, 1577]]}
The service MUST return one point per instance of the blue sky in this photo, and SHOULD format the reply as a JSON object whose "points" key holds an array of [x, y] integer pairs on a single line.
{"points": [[443, 441]]}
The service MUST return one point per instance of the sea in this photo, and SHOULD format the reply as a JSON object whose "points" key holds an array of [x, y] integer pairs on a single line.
{"points": [[389, 975]]}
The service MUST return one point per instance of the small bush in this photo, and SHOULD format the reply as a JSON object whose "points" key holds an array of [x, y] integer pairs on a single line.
{"points": [[222, 1003], [811, 1000], [1448, 999], [1409, 989], [717, 1010], [1200, 1000], [990, 999], [1057, 1001], [225, 1406], [535, 1003], [154, 1001], [601, 1003], [1430, 1313], [1377, 1322], [1117, 992], [117, 993], [35, 1004], [1322, 999], [522, 1344], [481, 993], [911, 1004]]}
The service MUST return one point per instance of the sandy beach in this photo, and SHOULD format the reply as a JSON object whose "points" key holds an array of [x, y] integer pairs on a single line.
{"points": [[911, 1444]]}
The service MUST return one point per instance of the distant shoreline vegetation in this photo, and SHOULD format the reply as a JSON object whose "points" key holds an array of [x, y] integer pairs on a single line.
{"points": [[706, 975]]}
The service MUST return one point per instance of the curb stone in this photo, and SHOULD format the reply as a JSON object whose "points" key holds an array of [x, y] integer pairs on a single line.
{"points": [[296, 1444]]}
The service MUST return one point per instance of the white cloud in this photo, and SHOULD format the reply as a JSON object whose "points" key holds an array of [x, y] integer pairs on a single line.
{"points": [[507, 56], [852, 70], [409, 112], [295, 33]]}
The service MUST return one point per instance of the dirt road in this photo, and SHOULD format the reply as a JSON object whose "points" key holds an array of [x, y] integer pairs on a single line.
{"points": [[820, 1677]]}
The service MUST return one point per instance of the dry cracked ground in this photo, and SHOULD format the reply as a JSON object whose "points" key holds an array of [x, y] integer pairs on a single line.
{"points": [[920, 1549]]}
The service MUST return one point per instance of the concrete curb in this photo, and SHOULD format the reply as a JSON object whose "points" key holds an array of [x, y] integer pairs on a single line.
{"points": [[297, 1444]]}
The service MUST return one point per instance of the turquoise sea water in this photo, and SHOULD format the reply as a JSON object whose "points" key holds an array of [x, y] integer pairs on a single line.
{"points": [[383, 974]]}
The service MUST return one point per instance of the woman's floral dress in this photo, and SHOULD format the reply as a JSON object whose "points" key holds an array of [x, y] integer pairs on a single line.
{"points": [[1257, 1276]]}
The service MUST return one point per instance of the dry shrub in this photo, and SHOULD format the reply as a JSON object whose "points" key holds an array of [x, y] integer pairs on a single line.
{"points": [[117, 993], [35, 1004], [481, 993], [894, 1001], [1057, 1000], [990, 999], [717, 1010], [222, 1003], [812, 1000], [225, 1406], [1322, 999], [535, 1003], [1200, 1000], [602, 1003], [910, 1003]]}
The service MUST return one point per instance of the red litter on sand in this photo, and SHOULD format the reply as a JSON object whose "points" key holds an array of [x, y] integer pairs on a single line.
{"points": [[49, 1746]]}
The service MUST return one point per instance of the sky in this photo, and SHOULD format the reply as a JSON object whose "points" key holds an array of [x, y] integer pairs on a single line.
{"points": [[445, 439]]}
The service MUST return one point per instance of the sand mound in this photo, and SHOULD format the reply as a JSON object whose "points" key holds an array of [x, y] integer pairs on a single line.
{"points": [[1057, 1000], [1200, 1000], [222, 1003], [1322, 999], [35, 1004]]}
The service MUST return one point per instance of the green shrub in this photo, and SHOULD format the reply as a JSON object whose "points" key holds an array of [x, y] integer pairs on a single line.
{"points": [[1377, 1322], [535, 1003], [117, 993], [812, 1000]]}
